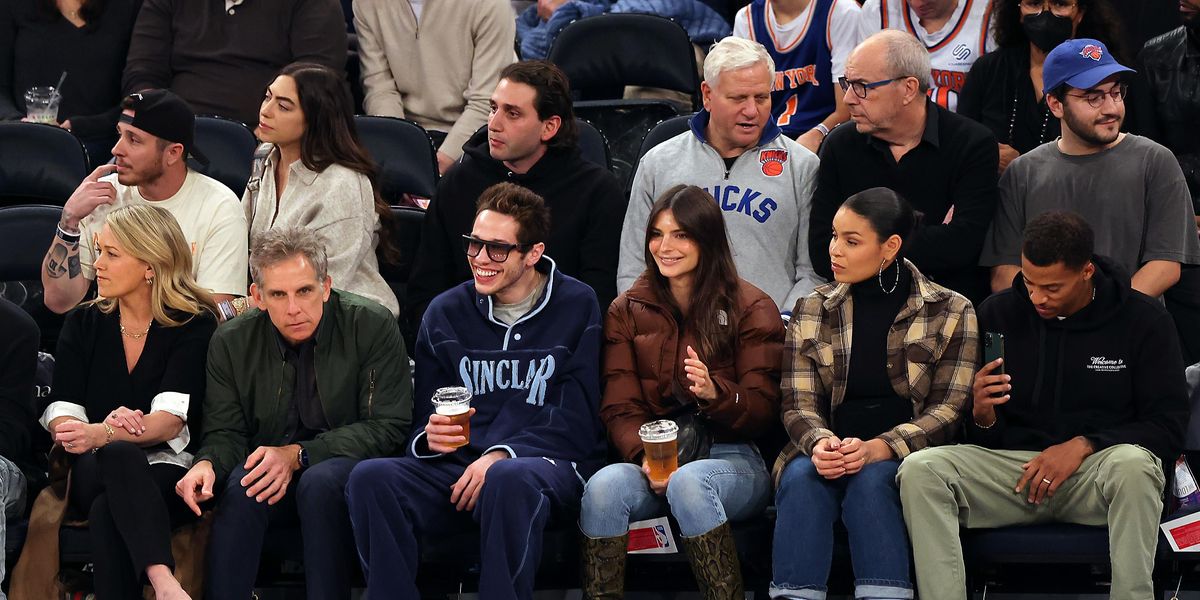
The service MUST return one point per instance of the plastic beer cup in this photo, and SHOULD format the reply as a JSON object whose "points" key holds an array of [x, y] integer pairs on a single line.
{"points": [[455, 402], [659, 441]]}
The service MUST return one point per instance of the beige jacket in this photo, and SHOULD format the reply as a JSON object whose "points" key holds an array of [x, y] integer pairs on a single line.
{"points": [[440, 72]]}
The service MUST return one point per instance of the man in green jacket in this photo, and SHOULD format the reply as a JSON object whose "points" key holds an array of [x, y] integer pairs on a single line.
{"points": [[299, 390]]}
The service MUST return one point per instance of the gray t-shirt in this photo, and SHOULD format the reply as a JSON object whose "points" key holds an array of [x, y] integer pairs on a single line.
{"points": [[511, 313], [1132, 193]]}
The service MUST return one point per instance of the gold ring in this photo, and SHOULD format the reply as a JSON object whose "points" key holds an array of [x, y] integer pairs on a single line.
{"points": [[1046, 481]]}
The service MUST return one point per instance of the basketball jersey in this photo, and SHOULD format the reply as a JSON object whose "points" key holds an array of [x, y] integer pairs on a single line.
{"points": [[952, 51], [802, 94]]}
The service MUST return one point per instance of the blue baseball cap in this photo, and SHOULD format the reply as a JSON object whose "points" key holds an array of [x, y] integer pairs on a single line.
{"points": [[1080, 63]]}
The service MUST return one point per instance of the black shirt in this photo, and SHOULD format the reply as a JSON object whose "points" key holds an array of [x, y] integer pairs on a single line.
{"points": [[954, 166], [36, 47], [18, 365], [999, 93], [871, 405], [305, 416], [90, 368]]}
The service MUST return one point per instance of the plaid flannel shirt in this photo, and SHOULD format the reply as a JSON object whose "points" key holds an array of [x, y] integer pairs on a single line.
{"points": [[932, 359]]}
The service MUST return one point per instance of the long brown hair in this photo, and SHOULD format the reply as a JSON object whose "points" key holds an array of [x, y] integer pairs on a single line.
{"points": [[330, 136], [715, 284]]}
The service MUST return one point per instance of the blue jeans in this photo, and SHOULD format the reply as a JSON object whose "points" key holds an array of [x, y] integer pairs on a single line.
{"points": [[868, 503], [12, 504], [731, 484]]}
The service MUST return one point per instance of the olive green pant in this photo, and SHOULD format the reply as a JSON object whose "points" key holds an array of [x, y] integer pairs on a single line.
{"points": [[948, 487]]}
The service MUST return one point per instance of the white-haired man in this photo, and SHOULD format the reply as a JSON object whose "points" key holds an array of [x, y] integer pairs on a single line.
{"points": [[943, 163], [762, 180]]}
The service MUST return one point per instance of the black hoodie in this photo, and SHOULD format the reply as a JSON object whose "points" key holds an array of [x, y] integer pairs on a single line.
{"points": [[1111, 372], [587, 209], [18, 365]]}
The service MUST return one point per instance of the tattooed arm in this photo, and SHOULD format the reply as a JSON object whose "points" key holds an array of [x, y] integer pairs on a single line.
{"points": [[62, 272]]}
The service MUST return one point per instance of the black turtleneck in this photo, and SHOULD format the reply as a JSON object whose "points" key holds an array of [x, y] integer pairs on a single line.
{"points": [[871, 406]]}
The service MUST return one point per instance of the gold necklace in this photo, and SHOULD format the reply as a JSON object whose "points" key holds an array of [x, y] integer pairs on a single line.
{"points": [[133, 334]]}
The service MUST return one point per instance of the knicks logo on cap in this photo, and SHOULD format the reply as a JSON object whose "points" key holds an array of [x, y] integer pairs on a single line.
{"points": [[772, 161], [1092, 51]]}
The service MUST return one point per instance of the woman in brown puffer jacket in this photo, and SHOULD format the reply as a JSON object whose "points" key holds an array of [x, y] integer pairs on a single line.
{"points": [[688, 338]]}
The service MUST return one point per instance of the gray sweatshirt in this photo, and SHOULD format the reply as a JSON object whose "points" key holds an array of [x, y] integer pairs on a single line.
{"points": [[766, 197]]}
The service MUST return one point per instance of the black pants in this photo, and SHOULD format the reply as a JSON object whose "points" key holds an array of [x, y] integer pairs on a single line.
{"points": [[316, 500], [131, 507]]}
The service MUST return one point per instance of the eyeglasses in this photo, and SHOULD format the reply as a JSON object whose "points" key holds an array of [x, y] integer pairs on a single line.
{"points": [[860, 87], [497, 251], [1095, 98], [1062, 8]]}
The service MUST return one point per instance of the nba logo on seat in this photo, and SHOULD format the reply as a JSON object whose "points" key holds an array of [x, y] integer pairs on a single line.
{"points": [[772, 162], [1092, 51]]}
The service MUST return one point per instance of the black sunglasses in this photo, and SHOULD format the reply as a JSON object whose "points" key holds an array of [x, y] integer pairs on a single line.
{"points": [[497, 251]]}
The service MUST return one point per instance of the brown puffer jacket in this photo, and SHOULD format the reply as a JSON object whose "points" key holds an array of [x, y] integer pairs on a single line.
{"points": [[644, 377]]}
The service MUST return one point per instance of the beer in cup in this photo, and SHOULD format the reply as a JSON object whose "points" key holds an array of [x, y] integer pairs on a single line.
{"points": [[41, 105], [455, 402], [662, 455]]}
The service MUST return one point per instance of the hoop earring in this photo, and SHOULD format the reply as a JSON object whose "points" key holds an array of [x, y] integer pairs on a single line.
{"points": [[895, 283]]}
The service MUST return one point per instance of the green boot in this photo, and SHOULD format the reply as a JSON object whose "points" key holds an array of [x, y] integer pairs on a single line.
{"points": [[714, 561], [604, 567]]}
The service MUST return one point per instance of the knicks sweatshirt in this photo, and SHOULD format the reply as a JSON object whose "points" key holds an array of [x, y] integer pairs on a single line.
{"points": [[765, 196], [535, 384]]}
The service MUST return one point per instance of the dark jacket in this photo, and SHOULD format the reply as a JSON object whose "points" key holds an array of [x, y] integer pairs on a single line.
{"points": [[535, 384], [221, 62], [1170, 65], [18, 365], [587, 207], [643, 368], [362, 380], [1111, 372]]}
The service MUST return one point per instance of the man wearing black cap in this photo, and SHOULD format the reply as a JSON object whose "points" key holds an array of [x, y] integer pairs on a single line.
{"points": [[1129, 188], [150, 166]]}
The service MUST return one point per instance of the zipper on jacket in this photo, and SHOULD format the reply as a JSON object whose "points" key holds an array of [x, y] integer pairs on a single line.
{"points": [[279, 393], [371, 395]]}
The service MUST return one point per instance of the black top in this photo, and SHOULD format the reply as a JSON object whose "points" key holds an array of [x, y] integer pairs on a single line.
{"points": [[305, 416], [954, 166], [1170, 67], [998, 82], [90, 368], [587, 209], [18, 364], [221, 61], [1111, 372], [871, 405], [36, 47]]}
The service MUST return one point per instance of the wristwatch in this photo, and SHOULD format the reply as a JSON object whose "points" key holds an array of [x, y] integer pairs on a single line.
{"points": [[303, 458]]}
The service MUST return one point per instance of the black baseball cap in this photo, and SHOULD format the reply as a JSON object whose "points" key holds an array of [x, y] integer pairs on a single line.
{"points": [[163, 114]]}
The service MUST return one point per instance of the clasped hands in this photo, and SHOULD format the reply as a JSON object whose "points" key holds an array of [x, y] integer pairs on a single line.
{"points": [[834, 458], [78, 437]]}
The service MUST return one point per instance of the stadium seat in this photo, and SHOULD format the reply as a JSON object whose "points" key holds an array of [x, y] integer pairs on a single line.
{"points": [[39, 164], [623, 124], [404, 153], [406, 235], [229, 146], [592, 144], [25, 234], [662, 132], [603, 54]]}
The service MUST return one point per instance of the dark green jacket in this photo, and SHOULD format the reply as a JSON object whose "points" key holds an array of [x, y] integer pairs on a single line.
{"points": [[363, 381]]}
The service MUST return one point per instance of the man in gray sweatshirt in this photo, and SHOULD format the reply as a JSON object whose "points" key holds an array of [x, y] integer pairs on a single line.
{"points": [[762, 180]]}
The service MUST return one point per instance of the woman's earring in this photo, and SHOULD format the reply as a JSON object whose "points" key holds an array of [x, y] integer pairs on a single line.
{"points": [[895, 283], [150, 281]]}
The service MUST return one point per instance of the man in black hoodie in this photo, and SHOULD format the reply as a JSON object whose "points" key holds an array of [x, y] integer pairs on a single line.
{"points": [[1074, 424], [530, 140], [18, 364]]}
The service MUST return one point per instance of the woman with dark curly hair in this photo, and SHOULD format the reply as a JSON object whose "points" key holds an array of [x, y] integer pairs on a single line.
{"points": [[1004, 88]]}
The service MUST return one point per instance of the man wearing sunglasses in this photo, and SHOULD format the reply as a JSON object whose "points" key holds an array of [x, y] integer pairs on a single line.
{"points": [[524, 340], [1129, 188], [941, 162]]}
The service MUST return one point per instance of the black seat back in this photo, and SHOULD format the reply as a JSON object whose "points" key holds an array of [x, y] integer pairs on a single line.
{"points": [[404, 153], [662, 132], [229, 146], [25, 233], [592, 144], [406, 235], [39, 164], [603, 54]]}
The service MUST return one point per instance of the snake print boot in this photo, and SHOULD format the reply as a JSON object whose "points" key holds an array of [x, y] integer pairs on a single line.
{"points": [[714, 561]]}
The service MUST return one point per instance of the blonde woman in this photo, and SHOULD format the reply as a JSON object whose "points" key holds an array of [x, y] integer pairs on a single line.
{"points": [[128, 384]]}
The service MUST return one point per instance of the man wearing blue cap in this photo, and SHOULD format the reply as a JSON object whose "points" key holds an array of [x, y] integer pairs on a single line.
{"points": [[1129, 188]]}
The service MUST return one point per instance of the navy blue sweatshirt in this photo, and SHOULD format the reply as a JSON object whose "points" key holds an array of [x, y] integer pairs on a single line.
{"points": [[1111, 372], [535, 384]]}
